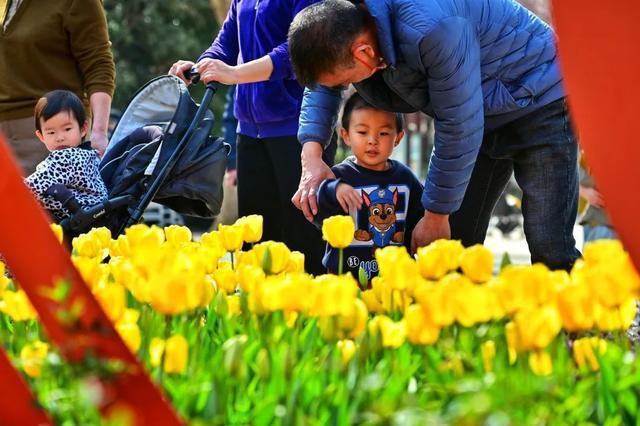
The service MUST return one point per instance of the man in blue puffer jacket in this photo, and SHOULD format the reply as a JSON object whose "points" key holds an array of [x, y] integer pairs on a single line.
{"points": [[487, 71]]}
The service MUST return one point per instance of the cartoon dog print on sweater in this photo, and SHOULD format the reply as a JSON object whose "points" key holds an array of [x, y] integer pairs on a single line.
{"points": [[381, 204]]}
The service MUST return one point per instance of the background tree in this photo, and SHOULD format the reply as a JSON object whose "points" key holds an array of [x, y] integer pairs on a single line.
{"points": [[150, 35]]}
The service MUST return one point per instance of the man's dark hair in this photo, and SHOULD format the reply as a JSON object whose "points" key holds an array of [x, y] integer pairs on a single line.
{"points": [[356, 102], [59, 101], [320, 38]]}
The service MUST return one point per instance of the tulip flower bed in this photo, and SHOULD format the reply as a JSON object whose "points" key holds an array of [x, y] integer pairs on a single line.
{"points": [[249, 338]]}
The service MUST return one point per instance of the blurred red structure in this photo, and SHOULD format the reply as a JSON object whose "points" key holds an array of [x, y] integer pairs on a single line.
{"points": [[600, 58], [38, 262]]}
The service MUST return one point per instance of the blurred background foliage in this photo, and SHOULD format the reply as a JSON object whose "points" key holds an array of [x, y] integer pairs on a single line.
{"points": [[148, 36]]}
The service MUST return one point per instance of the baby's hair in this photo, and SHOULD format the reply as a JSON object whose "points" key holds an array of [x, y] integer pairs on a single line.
{"points": [[56, 102], [356, 102]]}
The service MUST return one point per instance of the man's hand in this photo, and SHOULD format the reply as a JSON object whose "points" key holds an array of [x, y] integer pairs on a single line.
{"points": [[314, 171], [348, 197], [99, 142], [431, 227]]}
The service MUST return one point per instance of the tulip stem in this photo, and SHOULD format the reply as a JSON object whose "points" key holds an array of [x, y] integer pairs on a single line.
{"points": [[167, 333], [340, 261], [232, 265]]}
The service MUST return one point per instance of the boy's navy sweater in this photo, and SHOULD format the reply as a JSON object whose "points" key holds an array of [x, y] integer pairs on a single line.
{"points": [[375, 226], [253, 29]]}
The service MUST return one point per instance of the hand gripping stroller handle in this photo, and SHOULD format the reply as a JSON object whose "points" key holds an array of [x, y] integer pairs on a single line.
{"points": [[193, 75]]}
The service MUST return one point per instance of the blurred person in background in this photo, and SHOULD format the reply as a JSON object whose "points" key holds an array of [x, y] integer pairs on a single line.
{"points": [[595, 222], [48, 45]]}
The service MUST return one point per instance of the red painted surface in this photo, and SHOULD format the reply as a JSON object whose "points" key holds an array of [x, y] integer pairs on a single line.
{"points": [[600, 56], [17, 405], [38, 261]]}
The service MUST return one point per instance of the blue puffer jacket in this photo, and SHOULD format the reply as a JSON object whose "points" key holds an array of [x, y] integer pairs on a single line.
{"points": [[473, 65]]}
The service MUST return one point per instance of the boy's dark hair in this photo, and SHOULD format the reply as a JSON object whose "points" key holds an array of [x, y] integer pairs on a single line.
{"points": [[59, 101], [320, 38], [356, 102]]}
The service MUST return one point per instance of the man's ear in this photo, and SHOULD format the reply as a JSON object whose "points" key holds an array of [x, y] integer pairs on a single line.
{"points": [[84, 129], [399, 137], [40, 136], [345, 136]]}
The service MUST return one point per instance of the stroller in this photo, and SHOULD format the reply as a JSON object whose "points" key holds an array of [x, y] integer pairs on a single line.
{"points": [[182, 168]]}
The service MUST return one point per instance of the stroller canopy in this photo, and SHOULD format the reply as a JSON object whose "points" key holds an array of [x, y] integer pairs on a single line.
{"points": [[194, 185]]}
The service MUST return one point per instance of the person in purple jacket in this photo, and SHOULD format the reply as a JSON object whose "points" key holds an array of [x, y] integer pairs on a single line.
{"points": [[488, 73], [251, 51]]}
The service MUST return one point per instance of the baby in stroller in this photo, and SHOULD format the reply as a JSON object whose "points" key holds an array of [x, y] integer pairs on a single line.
{"points": [[61, 125], [161, 150], [71, 172]]}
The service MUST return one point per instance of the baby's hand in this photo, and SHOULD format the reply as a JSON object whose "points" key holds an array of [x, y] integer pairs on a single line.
{"points": [[348, 197]]}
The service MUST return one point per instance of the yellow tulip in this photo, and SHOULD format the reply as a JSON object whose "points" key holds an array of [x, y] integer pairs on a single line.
{"points": [[488, 351], [130, 333], [177, 354], [120, 247], [296, 262], [277, 258], [438, 258], [17, 306], [102, 236], [177, 235], [231, 237], [4, 281], [225, 278], [249, 276], [112, 299], [397, 268], [513, 341], [32, 356], [347, 350], [338, 231], [233, 305], [335, 295], [156, 349], [85, 246], [540, 363], [248, 258], [437, 302], [618, 317], [537, 327], [141, 236], [583, 351], [577, 308], [420, 329], [477, 263], [57, 231], [393, 333], [251, 228], [371, 301], [611, 283]]}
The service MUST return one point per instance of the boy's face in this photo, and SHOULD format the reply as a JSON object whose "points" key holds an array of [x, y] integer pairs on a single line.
{"points": [[61, 131], [372, 135]]}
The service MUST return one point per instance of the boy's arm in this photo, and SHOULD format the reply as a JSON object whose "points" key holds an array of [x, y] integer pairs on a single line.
{"points": [[328, 204]]}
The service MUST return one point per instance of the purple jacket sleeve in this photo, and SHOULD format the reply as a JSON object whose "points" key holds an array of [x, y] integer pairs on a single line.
{"points": [[225, 47]]}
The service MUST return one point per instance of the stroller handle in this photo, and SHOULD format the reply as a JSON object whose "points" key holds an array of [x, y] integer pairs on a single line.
{"points": [[192, 75]]}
